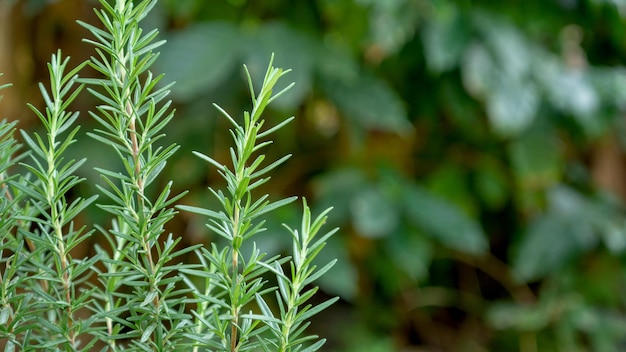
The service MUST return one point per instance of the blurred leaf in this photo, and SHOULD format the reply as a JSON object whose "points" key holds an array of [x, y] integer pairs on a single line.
{"points": [[445, 38], [179, 8], [491, 183], [342, 279], [374, 214], [546, 246], [498, 69], [614, 235], [392, 22], [505, 315], [536, 158], [512, 106], [336, 61], [369, 102], [567, 228], [510, 49], [477, 68], [606, 329], [606, 215], [200, 57], [292, 50], [620, 5], [598, 281], [610, 84], [31, 8], [512, 101], [358, 339], [444, 221], [411, 252], [449, 181], [569, 90], [337, 189]]}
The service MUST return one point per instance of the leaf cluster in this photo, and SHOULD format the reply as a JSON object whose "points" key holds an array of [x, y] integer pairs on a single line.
{"points": [[471, 150], [244, 279], [145, 294]]}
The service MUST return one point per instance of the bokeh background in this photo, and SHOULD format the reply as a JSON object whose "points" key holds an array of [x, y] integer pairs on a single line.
{"points": [[473, 152]]}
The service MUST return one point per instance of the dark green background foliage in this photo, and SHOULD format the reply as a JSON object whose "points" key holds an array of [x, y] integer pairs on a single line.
{"points": [[473, 151]]}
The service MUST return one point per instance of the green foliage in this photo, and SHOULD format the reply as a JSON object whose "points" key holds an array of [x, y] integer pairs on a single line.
{"points": [[57, 294], [131, 119], [471, 151], [241, 279], [145, 294], [457, 143]]}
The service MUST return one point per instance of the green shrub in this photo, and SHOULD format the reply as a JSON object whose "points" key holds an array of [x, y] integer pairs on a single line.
{"points": [[141, 291]]}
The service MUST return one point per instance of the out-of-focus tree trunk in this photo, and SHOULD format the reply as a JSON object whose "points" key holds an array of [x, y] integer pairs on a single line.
{"points": [[8, 108], [609, 168], [27, 39]]}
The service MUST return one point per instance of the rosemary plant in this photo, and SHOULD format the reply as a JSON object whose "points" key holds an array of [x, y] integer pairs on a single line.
{"points": [[147, 295], [240, 279], [14, 313], [293, 293], [131, 118], [52, 233]]}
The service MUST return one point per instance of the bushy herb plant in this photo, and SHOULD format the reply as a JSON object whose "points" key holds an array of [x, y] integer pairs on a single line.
{"points": [[141, 290]]}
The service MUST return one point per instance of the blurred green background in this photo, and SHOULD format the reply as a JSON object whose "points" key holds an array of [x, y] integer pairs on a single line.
{"points": [[473, 151]]}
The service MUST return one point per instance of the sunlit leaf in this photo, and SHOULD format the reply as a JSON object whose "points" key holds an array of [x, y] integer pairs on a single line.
{"points": [[512, 106], [569, 90]]}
